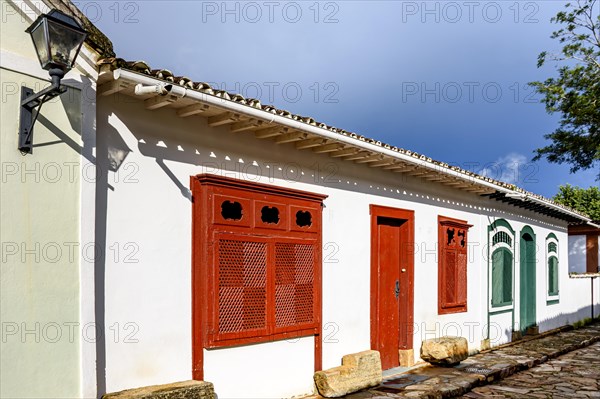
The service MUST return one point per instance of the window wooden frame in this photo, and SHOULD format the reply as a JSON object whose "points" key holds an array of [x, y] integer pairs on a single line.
{"points": [[552, 255], [501, 226], [507, 270], [457, 250], [211, 230]]}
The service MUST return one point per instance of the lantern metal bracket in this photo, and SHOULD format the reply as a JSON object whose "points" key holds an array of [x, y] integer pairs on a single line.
{"points": [[29, 101]]}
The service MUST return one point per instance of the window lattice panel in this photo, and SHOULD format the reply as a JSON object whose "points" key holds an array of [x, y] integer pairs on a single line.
{"points": [[294, 276], [502, 237], [450, 277], [242, 285]]}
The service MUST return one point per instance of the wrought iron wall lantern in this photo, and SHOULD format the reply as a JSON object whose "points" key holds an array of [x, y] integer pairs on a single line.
{"points": [[57, 39]]}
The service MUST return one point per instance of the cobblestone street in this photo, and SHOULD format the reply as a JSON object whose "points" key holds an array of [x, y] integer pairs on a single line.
{"points": [[574, 375], [559, 364]]}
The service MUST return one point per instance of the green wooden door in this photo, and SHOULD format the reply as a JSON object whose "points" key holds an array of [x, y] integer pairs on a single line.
{"points": [[527, 274]]}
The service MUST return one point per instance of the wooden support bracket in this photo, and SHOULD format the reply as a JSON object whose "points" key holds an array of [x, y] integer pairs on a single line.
{"points": [[223, 119], [193, 109]]}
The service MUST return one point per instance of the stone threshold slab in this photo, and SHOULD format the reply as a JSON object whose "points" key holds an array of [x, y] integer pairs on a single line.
{"points": [[179, 390]]}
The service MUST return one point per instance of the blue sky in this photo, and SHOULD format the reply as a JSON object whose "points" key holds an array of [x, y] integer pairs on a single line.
{"points": [[443, 78]]}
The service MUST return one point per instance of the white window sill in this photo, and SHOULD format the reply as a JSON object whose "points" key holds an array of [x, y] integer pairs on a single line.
{"points": [[584, 275]]}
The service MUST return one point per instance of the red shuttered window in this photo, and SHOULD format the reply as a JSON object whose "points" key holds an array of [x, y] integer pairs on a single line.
{"points": [[242, 283], [452, 265], [257, 262], [294, 284]]}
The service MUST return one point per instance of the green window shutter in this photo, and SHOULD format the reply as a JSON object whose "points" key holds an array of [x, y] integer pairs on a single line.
{"points": [[507, 277], [501, 277], [553, 275], [497, 266]]}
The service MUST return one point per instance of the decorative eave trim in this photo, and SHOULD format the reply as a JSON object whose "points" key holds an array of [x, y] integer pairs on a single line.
{"points": [[228, 182], [297, 129]]}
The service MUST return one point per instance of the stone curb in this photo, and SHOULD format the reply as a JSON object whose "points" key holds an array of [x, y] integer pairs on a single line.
{"points": [[527, 338], [514, 362], [179, 390]]}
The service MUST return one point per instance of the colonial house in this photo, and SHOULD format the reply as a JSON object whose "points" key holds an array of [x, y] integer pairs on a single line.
{"points": [[272, 244], [248, 246]]}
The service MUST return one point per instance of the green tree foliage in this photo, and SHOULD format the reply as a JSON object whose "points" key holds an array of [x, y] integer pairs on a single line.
{"points": [[575, 93], [581, 199]]}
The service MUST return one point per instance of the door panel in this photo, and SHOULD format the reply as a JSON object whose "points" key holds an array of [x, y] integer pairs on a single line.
{"points": [[528, 282], [391, 282], [389, 276], [405, 303]]}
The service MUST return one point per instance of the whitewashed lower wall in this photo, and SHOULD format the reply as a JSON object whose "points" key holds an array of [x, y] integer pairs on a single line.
{"points": [[258, 370], [147, 217]]}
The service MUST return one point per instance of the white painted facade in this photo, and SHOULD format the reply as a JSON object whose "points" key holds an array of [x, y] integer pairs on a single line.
{"points": [[148, 214], [123, 202]]}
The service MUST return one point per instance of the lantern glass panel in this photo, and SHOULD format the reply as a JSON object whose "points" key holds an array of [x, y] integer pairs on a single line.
{"points": [[64, 44], [40, 41]]}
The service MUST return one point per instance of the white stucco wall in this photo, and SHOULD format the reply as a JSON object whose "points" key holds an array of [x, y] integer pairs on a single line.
{"points": [[148, 216], [44, 275]]}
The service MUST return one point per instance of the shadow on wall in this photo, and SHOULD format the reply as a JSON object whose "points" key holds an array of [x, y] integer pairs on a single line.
{"points": [[560, 320], [111, 152], [107, 154], [162, 135]]}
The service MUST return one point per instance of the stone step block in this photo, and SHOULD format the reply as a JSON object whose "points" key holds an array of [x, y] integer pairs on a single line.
{"points": [[358, 371], [445, 351]]}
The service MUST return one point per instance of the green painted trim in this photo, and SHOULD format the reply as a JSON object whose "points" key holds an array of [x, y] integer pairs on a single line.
{"points": [[527, 280], [488, 301], [492, 227], [512, 282], [501, 311], [552, 302], [556, 275], [527, 229], [551, 235], [500, 222]]}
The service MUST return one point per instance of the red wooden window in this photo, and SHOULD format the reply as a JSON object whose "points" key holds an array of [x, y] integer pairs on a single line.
{"points": [[452, 265], [257, 264]]}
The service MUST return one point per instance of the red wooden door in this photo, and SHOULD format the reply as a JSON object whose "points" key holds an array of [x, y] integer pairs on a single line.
{"points": [[388, 309], [391, 282]]}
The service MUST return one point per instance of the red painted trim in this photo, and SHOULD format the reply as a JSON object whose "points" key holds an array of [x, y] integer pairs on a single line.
{"points": [[266, 337], [318, 352], [583, 230], [402, 214], [443, 222], [197, 320], [318, 283], [591, 254], [260, 188]]}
